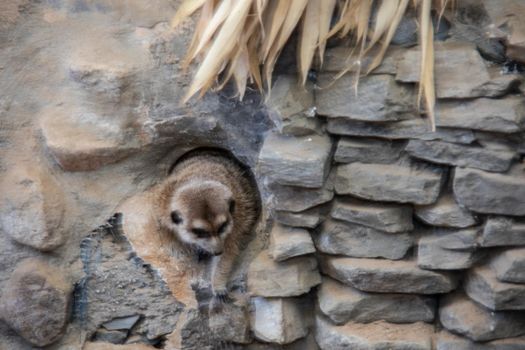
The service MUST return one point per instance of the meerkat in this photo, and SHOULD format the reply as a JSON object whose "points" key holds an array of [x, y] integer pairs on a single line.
{"points": [[208, 206]]}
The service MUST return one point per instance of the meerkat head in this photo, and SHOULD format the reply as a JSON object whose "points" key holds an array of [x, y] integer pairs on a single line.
{"points": [[200, 215]]}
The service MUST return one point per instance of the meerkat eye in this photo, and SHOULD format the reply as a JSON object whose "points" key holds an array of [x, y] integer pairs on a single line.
{"points": [[232, 206], [175, 217], [222, 228], [199, 232]]}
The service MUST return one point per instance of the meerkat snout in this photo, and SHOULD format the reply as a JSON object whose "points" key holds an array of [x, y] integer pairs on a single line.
{"points": [[201, 216]]}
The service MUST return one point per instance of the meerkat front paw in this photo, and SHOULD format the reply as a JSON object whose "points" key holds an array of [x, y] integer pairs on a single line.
{"points": [[219, 298]]}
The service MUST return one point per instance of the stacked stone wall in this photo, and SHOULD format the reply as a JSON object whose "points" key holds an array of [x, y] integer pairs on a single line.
{"points": [[418, 235]]}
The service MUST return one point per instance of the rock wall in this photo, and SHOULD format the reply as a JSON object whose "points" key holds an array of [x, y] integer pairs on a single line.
{"points": [[376, 232], [418, 235]]}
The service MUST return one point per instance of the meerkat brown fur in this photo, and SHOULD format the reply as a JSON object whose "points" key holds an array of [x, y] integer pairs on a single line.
{"points": [[208, 206]]}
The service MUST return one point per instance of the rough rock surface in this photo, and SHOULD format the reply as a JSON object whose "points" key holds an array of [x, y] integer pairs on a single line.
{"points": [[36, 302], [384, 217], [459, 314], [292, 277], [342, 303], [278, 320], [510, 265], [376, 336], [32, 206], [496, 115], [92, 140], [232, 324], [297, 199], [490, 193], [337, 59], [106, 346], [387, 276], [505, 15], [459, 70], [459, 155], [503, 231], [354, 240], [287, 242], [442, 249], [354, 149], [379, 98], [393, 183], [117, 284], [405, 129], [448, 341], [482, 285], [309, 218], [445, 212], [296, 161], [291, 107]]}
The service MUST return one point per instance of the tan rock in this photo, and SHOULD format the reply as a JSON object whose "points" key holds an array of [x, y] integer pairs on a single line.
{"points": [[109, 346], [377, 335], [32, 206], [282, 279], [36, 302], [507, 21], [278, 320], [81, 140]]}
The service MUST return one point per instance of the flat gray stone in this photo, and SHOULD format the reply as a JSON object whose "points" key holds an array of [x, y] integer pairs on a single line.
{"points": [[384, 217], [446, 212], [502, 231], [121, 323], [482, 285], [355, 149], [296, 161], [232, 324], [379, 98], [373, 336], [278, 320], [338, 59], [309, 218], [392, 183], [292, 108], [388, 276], [459, 314], [448, 341], [460, 155], [405, 129], [344, 238], [504, 115], [498, 142], [297, 199], [292, 277], [36, 302], [510, 265], [113, 337], [342, 303], [459, 71], [442, 249], [288, 242], [490, 193]]}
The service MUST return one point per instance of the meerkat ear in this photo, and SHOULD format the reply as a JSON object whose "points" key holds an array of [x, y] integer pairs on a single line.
{"points": [[175, 217], [232, 205]]}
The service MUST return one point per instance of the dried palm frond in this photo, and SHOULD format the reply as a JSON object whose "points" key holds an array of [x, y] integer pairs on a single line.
{"points": [[241, 40]]}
